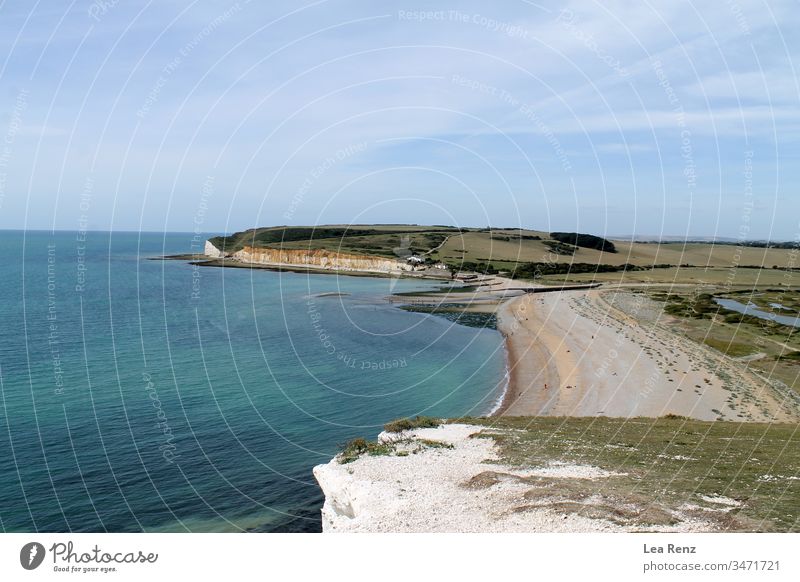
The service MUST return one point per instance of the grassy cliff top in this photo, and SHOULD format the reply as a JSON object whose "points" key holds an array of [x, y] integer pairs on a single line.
{"points": [[740, 476], [506, 248], [378, 240]]}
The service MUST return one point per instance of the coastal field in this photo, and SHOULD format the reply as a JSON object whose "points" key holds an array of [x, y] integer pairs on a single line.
{"points": [[509, 246]]}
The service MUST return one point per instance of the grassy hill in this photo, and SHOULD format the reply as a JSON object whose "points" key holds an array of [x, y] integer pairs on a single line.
{"points": [[385, 240], [505, 246], [528, 253]]}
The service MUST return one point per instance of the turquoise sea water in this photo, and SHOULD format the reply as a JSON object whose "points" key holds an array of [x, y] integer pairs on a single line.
{"points": [[140, 395]]}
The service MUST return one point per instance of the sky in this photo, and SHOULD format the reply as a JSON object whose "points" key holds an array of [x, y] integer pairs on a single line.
{"points": [[616, 118]]}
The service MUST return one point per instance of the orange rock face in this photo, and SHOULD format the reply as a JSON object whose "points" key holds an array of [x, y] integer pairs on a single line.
{"points": [[319, 259]]}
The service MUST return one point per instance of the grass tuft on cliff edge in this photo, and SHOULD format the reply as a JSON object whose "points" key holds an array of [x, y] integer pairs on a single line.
{"points": [[402, 424]]}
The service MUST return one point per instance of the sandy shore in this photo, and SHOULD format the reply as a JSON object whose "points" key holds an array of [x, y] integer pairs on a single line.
{"points": [[572, 354]]}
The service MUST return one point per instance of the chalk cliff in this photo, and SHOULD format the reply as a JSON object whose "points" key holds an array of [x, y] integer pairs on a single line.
{"points": [[445, 480], [315, 258], [212, 251]]}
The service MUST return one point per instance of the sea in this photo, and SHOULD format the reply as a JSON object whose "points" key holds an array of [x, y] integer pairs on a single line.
{"points": [[155, 395]]}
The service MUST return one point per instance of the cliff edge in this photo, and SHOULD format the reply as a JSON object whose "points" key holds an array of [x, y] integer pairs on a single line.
{"points": [[310, 258], [559, 475]]}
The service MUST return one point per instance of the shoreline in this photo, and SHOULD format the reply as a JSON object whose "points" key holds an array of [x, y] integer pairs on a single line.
{"points": [[528, 362], [574, 354], [276, 267], [486, 301], [568, 352], [503, 396]]}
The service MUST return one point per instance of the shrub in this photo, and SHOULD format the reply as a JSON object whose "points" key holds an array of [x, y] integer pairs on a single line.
{"points": [[588, 241], [360, 446], [402, 424], [672, 416]]}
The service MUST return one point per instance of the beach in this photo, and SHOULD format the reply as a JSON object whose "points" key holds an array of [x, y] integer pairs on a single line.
{"points": [[576, 352], [571, 353]]}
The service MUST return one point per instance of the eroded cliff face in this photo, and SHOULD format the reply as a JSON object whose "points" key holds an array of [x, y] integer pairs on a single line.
{"points": [[212, 251], [318, 259]]}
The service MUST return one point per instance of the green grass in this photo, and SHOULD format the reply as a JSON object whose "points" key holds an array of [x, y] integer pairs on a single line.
{"points": [[670, 462], [434, 444], [402, 424], [731, 348], [361, 446]]}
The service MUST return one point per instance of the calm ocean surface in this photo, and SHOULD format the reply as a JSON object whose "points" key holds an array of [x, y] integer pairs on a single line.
{"points": [[140, 395]]}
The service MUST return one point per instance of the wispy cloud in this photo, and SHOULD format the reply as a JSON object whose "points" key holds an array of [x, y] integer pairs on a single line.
{"points": [[148, 100]]}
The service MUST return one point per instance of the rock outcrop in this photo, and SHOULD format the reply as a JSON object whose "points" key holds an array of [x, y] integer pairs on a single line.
{"points": [[317, 259], [212, 251]]}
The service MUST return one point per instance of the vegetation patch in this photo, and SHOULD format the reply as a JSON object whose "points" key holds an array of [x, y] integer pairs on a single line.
{"points": [[431, 444], [698, 306], [560, 248], [535, 270], [731, 348], [382, 240], [402, 424], [361, 446], [587, 241]]}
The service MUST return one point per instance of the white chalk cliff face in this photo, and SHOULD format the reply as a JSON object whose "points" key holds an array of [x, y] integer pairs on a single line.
{"points": [[397, 494], [318, 259], [212, 251]]}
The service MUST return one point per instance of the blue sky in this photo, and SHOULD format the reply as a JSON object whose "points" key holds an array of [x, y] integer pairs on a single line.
{"points": [[616, 117]]}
